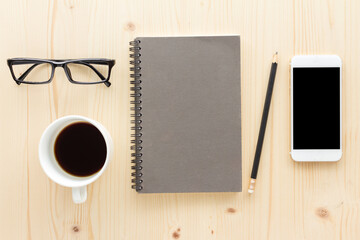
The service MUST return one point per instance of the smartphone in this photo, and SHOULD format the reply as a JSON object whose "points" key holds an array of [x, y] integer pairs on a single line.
{"points": [[316, 108]]}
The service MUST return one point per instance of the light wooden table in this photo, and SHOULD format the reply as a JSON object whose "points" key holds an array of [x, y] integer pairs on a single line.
{"points": [[292, 201]]}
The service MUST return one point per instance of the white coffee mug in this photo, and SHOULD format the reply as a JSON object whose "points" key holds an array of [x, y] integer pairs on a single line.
{"points": [[52, 167]]}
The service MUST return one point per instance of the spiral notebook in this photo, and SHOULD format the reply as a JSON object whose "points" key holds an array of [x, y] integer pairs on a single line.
{"points": [[186, 114]]}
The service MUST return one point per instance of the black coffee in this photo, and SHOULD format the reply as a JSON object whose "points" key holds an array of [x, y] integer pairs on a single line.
{"points": [[80, 149]]}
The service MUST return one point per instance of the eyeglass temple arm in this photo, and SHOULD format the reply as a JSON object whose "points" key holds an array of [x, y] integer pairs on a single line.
{"points": [[27, 72]]}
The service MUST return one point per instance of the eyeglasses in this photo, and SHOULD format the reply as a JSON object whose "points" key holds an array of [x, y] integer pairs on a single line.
{"points": [[78, 71]]}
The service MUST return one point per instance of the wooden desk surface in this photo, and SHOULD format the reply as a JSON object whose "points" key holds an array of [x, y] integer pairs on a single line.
{"points": [[292, 200]]}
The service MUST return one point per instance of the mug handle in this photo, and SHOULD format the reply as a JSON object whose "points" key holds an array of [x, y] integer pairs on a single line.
{"points": [[79, 194]]}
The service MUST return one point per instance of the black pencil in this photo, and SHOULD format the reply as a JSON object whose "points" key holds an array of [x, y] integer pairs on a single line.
{"points": [[263, 123]]}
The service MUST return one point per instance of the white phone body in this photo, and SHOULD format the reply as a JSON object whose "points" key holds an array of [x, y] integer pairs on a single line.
{"points": [[304, 63]]}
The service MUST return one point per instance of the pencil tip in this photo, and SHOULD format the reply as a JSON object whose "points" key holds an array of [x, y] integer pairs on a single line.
{"points": [[275, 57], [251, 185]]}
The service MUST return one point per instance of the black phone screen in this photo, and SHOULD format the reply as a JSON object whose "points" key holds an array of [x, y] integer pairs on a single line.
{"points": [[316, 108]]}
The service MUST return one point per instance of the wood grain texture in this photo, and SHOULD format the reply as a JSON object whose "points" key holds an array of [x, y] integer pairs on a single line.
{"points": [[292, 200]]}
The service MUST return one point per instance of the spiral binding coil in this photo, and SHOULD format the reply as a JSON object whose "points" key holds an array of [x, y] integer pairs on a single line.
{"points": [[136, 114]]}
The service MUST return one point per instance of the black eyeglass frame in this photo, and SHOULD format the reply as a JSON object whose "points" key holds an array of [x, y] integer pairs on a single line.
{"points": [[61, 63]]}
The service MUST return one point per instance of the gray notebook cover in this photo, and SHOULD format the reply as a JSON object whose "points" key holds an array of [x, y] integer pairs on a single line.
{"points": [[191, 127]]}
